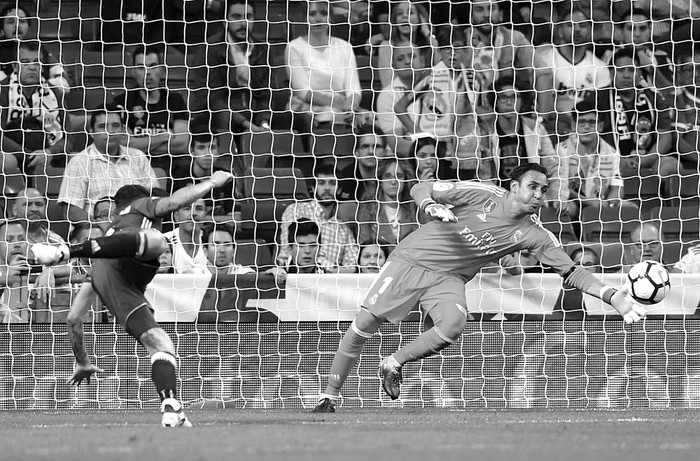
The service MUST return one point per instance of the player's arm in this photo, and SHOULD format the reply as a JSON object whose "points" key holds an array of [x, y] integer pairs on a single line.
{"points": [[83, 369], [552, 254], [190, 194], [422, 194]]}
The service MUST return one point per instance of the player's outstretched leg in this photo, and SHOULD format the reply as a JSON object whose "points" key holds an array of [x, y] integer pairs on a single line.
{"points": [[164, 376], [448, 320], [361, 329], [145, 244]]}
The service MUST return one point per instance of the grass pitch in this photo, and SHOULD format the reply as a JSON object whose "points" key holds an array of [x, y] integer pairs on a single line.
{"points": [[355, 435]]}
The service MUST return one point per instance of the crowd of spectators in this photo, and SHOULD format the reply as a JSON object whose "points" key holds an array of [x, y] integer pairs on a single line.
{"points": [[604, 95]]}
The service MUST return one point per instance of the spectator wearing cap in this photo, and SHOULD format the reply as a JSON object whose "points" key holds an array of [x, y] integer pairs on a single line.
{"points": [[104, 166]]}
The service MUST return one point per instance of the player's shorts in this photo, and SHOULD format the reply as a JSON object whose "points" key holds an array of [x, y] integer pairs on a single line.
{"points": [[399, 288], [123, 296]]}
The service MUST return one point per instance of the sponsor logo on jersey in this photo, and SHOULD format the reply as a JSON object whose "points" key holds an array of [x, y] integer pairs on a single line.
{"points": [[482, 243], [126, 210], [515, 238]]}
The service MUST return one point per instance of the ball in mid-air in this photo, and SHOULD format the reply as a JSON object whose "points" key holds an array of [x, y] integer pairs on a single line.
{"points": [[649, 282]]}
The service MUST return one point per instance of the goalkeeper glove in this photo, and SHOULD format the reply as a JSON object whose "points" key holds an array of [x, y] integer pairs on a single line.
{"points": [[439, 211], [635, 314]]}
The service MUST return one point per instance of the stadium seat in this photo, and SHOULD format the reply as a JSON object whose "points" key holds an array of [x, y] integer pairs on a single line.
{"points": [[256, 253], [558, 225], [606, 224], [55, 215], [50, 183], [680, 223], [279, 183], [685, 186], [260, 217]]}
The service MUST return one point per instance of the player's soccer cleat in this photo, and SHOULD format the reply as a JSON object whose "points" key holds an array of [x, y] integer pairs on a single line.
{"points": [[173, 416], [49, 255], [325, 405], [391, 378]]}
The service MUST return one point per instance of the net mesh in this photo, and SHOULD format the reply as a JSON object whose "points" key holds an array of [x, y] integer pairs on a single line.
{"points": [[466, 62]]}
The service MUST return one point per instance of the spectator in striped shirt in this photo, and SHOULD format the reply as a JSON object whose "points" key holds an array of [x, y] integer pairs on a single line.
{"points": [[339, 249], [104, 166]]}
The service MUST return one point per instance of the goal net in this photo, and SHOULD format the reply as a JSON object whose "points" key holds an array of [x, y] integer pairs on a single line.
{"points": [[602, 94]]}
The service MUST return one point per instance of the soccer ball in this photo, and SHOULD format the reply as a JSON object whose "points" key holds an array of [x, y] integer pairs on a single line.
{"points": [[649, 282]]}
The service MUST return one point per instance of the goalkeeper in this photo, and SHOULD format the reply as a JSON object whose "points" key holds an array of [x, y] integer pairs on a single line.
{"points": [[475, 224], [125, 261]]}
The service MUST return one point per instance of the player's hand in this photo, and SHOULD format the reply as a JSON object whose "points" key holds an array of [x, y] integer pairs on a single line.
{"points": [[441, 212], [83, 372], [220, 178], [624, 304]]}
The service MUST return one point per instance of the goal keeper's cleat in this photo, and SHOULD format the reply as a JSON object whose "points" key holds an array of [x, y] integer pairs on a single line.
{"points": [[48, 255], [325, 405], [173, 416], [391, 378]]}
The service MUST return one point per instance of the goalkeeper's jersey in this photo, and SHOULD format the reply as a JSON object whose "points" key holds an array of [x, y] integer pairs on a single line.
{"points": [[483, 234], [140, 214]]}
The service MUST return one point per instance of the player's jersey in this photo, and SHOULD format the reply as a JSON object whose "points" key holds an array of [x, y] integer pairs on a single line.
{"points": [[141, 214], [483, 234]]}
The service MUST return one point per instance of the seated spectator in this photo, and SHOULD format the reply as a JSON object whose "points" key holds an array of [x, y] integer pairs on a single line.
{"points": [[497, 50], [189, 256], [370, 145], [15, 25], [303, 241], [338, 251], [103, 212], [686, 121], [81, 267], [372, 257], [32, 117], [591, 169], [232, 78], [30, 207], [104, 166], [516, 138], [387, 214], [567, 71], [14, 271], [198, 166], [166, 260], [408, 24], [323, 75], [156, 118], [638, 119], [218, 241]]}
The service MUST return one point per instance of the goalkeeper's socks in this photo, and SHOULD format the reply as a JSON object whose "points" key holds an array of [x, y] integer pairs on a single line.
{"points": [[120, 245], [345, 358], [428, 343], [164, 375]]}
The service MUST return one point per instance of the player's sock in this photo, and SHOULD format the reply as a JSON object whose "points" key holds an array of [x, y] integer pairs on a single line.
{"points": [[121, 245], [428, 343], [345, 358], [164, 375]]}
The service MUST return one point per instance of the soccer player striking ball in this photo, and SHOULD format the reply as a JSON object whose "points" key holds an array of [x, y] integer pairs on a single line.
{"points": [[126, 260], [475, 224]]}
